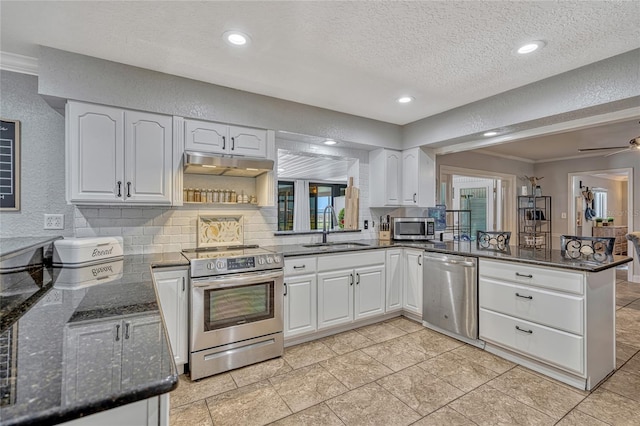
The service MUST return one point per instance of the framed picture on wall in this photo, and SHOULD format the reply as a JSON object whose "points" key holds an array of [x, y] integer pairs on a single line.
{"points": [[9, 165]]}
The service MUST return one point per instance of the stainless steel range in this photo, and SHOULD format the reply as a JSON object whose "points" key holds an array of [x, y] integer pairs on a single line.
{"points": [[236, 308]]}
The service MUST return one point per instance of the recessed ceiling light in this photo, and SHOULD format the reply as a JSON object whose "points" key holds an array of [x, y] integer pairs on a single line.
{"points": [[330, 142], [530, 47], [236, 38], [491, 133], [405, 99]]}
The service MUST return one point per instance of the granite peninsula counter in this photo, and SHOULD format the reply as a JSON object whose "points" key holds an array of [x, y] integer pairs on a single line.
{"points": [[82, 349], [549, 258]]}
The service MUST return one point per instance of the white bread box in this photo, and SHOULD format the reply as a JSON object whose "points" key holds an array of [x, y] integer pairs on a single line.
{"points": [[86, 276], [80, 251]]}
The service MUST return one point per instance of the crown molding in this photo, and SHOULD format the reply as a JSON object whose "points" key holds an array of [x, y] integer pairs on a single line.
{"points": [[18, 63]]}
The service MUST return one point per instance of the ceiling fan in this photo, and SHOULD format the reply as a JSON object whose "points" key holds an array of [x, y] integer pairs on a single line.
{"points": [[634, 145]]}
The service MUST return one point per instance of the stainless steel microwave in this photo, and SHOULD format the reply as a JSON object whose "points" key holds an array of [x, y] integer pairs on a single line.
{"points": [[413, 228]]}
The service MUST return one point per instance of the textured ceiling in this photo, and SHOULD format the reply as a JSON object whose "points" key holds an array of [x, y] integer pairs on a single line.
{"points": [[566, 145], [354, 57]]}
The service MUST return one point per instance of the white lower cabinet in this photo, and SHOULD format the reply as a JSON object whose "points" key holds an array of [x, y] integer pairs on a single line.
{"points": [[148, 412], [173, 291], [558, 322], [412, 283], [115, 345], [350, 287], [300, 296], [394, 268]]}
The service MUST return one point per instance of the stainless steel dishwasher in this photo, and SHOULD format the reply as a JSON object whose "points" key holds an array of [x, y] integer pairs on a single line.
{"points": [[450, 296]]}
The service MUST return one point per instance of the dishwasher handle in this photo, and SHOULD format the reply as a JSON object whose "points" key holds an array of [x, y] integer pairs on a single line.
{"points": [[450, 259]]}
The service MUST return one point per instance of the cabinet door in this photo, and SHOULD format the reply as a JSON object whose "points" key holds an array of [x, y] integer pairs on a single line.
{"points": [[369, 291], [100, 342], [203, 136], [335, 298], [148, 158], [393, 178], [410, 177], [394, 267], [172, 291], [245, 141], [95, 153], [141, 335], [412, 291], [418, 178], [300, 305]]}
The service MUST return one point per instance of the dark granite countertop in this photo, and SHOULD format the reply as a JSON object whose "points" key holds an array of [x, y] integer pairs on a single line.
{"points": [[552, 258], [64, 360], [12, 246]]}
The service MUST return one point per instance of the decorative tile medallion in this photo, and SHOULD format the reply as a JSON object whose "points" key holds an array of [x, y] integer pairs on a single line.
{"points": [[214, 231]]}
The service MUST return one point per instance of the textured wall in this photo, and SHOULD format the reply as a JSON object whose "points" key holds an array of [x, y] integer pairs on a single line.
{"points": [[68, 75], [42, 158], [598, 88], [477, 161]]}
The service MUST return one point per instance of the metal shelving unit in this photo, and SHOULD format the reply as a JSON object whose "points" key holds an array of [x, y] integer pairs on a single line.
{"points": [[534, 222], [458, 225]]}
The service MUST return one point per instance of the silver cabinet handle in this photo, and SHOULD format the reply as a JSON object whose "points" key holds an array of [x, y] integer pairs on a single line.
{"points": [[419, 259], [224, 142], [414, 197], [351, 280], [233, 143], [524, 297], [128, 189], [126, 330], [183, 286], [119, 188], [357, 279], [518, 274], [523, 330], [300, 267], [285, 289], [117, 332]]}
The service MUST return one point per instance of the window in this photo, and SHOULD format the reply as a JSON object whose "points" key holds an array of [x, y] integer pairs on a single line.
{"points": [[285, 206], [320, 196], [600, 202]]}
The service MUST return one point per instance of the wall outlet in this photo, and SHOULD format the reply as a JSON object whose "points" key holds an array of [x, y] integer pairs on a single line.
{"points": [[53, 221], [366, 224]]}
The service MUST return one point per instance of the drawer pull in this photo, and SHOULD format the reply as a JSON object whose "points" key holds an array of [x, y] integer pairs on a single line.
{"points": [[523, 330], [300, 267], [518, 274], [285, 289], [524, 297]]}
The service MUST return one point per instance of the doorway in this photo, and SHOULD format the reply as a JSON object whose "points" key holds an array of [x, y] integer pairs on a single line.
{"points": [[612, 203], [489, 196]]}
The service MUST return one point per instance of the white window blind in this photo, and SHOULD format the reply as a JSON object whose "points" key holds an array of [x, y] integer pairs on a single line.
{"points": [[600, 202]]}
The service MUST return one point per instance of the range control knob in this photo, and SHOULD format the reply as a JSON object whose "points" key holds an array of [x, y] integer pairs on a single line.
{"points": [[210, 265], [277, 259], [220, 264], [269, 259], [261, 261]]}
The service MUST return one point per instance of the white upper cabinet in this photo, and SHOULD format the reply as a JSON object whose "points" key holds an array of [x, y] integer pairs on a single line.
{"points": [[418, 178], [117, 156], [148, 158], [385, 177], [247, 141], [204, 136]]}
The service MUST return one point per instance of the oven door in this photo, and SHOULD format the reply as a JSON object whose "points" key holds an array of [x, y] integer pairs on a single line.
{"points": [[231, 308]]}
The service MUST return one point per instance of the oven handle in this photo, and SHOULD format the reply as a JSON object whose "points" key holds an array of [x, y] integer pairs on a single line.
{"points": [[231, 281]]}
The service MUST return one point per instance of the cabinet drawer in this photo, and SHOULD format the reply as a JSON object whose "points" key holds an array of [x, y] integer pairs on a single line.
{"points": [[351, 260], [554, 279], [299, 265], [564, 350], [557, 310]]}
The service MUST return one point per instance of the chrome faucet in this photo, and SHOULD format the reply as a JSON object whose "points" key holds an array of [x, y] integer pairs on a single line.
{"points": [[334, 221]]}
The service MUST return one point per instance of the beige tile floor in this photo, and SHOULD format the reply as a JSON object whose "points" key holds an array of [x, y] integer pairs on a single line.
{"points": [[399, 373]]}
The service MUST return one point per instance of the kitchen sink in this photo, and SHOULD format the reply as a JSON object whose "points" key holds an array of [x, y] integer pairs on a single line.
{"points": [[336, 245]]}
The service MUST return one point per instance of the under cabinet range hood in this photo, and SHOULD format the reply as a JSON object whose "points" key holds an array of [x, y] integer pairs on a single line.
{"points": [[211, 164]]}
